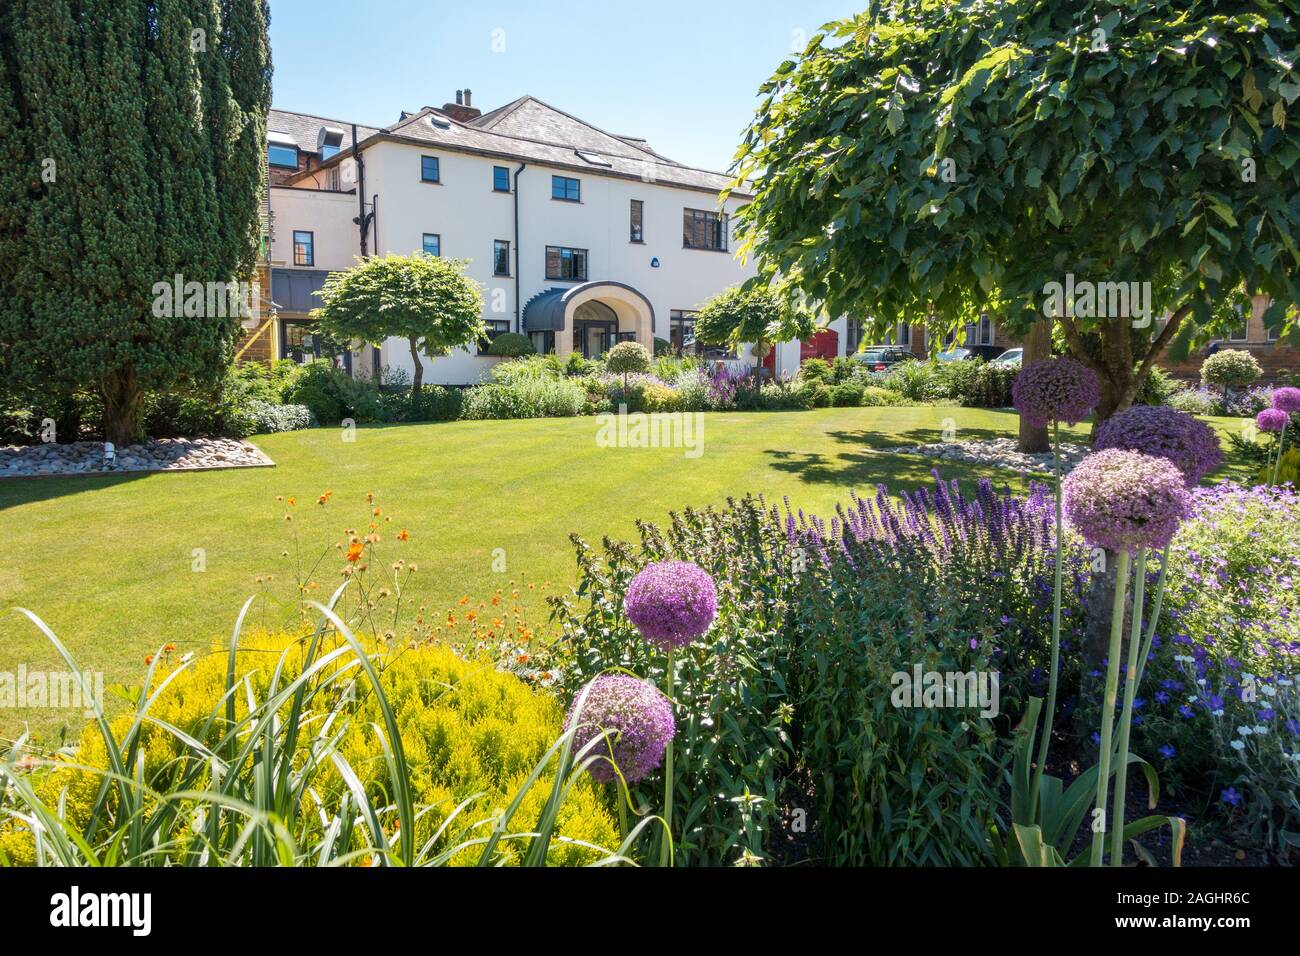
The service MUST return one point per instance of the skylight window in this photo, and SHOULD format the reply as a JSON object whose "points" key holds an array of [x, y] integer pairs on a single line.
{"points": [[595, 159], [439, 122]]}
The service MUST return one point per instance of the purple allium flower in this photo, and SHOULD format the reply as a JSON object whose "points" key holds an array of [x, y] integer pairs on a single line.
{"points": [[1286, 399], [1164, 432], [671, 602], [638, 719], [1124, 500], [1272, 420], [1060, 390]]}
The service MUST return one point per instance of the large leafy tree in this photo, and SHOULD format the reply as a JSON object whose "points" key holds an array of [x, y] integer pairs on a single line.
{"points": [[935, 159], [427, 300], [132, 150], [754, 313]]}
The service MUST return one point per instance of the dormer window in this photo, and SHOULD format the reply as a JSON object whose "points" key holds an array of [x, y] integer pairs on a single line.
{"points": [[281, 150], [328, 142]]}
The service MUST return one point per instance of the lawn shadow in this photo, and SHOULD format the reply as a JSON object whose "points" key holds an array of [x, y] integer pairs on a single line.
{"points": [[25, 491]]}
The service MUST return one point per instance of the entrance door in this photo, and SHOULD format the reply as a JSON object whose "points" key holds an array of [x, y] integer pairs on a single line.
{"points": [[594, 339]]}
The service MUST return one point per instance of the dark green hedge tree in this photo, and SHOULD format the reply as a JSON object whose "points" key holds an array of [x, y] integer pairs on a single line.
{"points": [[427, 300], [948, 159], [132, 151]]}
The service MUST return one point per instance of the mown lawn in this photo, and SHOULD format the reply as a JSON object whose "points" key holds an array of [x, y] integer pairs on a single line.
{"points": [[108, 562]]}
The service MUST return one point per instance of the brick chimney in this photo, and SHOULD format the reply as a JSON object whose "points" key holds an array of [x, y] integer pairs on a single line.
{"points": [[462, 111]]}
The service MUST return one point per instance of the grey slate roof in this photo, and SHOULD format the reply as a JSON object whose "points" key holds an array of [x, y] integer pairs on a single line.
{"points": [[528, 130], [305, 128]]}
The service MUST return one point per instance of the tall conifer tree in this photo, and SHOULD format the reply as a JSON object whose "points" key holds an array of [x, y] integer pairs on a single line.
{"points": [[132, 149]]}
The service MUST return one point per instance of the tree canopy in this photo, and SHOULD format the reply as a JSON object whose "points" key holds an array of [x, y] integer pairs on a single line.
{"points": [[427, 300], [132, 151], [751, 313], [930, 161]]}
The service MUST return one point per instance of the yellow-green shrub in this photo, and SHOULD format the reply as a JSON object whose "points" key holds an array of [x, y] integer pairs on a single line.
{"points": [[466, 729]]}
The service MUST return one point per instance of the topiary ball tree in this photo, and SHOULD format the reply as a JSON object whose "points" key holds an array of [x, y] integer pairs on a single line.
{"points": [[1230, 368], [627, 357], [427, 300], [511, 345]]}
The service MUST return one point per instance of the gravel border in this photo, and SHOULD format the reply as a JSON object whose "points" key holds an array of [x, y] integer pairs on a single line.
{"points": [[87, 458]]}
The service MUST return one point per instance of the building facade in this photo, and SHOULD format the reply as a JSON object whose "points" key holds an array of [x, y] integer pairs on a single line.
{"points": [[579, 238]]}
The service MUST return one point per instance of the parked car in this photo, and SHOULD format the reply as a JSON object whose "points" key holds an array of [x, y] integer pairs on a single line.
{"points": [[879, 358], [1010, 357], [985, 352]]}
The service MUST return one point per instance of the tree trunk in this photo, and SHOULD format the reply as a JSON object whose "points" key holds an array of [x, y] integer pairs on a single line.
{"points": [[123, 403], [1038, 348], [418, 375]]}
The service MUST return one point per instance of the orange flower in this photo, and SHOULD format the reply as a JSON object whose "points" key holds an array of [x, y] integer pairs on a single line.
{"points": [[169, 647], [324, 498], [148, 660], [497, 622], [471, 616], [463, 601], [403, 535], [522, 658], [376, 512], [496, 599], [370, 496], [354, 552], [292, 502]]}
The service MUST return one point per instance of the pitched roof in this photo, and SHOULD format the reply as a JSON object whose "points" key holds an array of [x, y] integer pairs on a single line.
{"points": [[529, 130], [304, 128], [530, 118]]}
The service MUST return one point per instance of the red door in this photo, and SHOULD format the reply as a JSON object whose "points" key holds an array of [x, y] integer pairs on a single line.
{"points": [[823, 345]]}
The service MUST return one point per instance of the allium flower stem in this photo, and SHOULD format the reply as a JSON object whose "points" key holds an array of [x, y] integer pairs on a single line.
{"points": [[666, 844], [1156, 604], [1277, 465], [1108, 705], [1126, 715], [1056, 621]]}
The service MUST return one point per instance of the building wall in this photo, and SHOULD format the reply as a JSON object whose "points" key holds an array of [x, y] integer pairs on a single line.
{"points": [[468, 215]]}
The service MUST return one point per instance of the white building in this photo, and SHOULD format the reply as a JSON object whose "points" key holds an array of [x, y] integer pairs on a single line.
{"points": [[579, 237]]}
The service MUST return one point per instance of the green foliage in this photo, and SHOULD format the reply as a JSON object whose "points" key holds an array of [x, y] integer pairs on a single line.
{"points": [[849, 394], [915, 381], [1288, 472], [333, 395], [127, 158], [1230, 368], [663, 347], [432, 403], [269, 418], [426, 299], [268, 381], [948, 160], [511, 345], [376, 757], [733, 747], [1158, 388], [524, 398], [872, 395], [816, 370], [1197, 401], [627, 357], [755, 314]]}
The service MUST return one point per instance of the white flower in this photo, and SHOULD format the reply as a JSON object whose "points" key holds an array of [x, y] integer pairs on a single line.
{"points": [[1261, 729], [1244, 731], [1268, 689], [1238, 745]]}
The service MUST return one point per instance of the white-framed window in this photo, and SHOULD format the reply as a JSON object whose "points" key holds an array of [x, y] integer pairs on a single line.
{"points": [[852, 335], [903, 337], [1241, 331]]}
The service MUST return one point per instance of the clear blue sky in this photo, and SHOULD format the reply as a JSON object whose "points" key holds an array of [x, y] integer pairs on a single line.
{"points": [[682, 74]]}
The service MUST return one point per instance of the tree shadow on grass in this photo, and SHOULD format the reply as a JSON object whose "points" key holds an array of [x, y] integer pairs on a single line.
{"points": [[25, 491], [863, 470]]}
